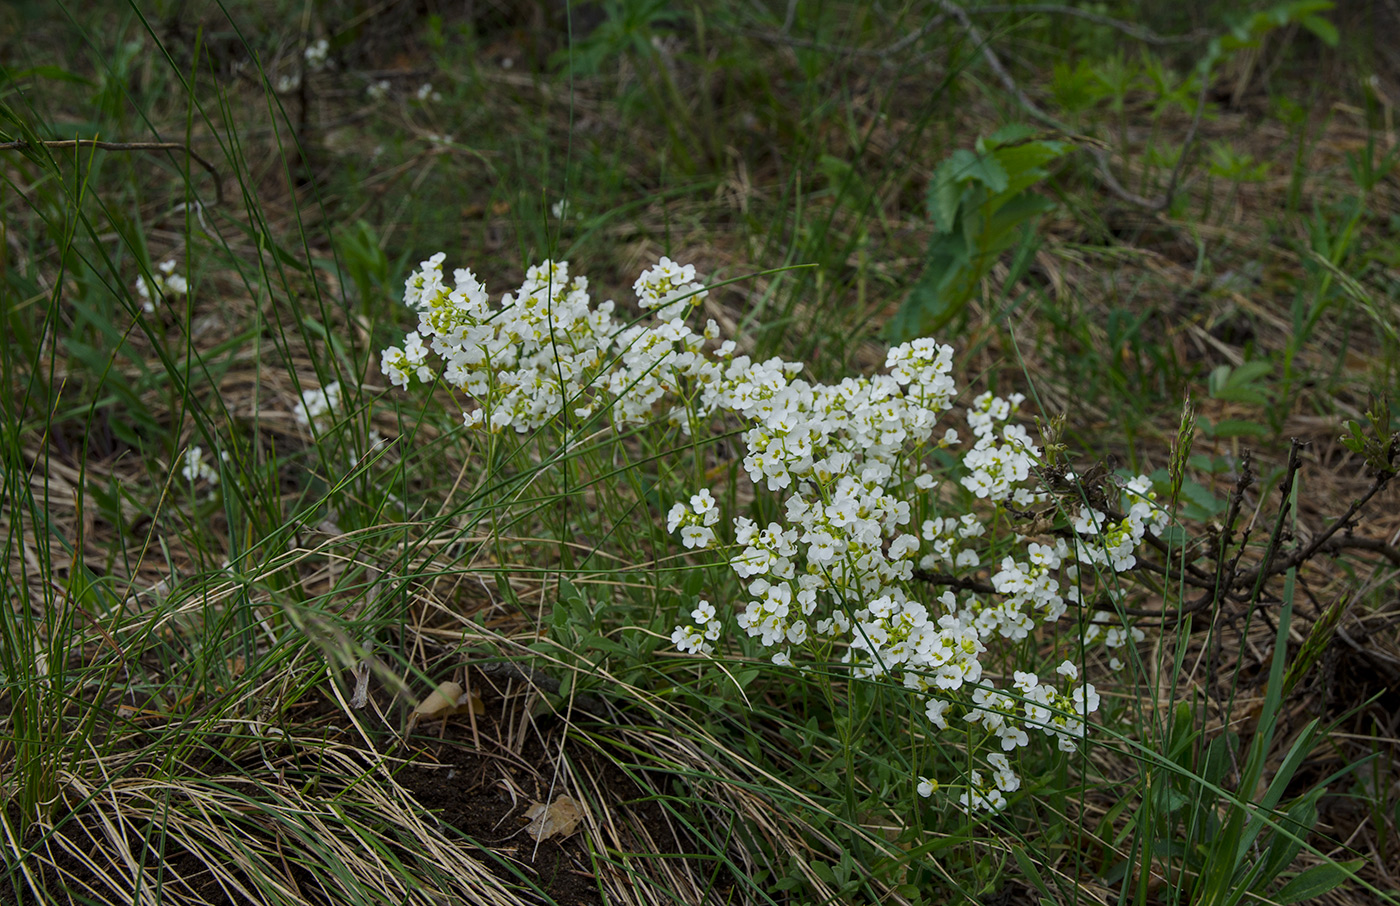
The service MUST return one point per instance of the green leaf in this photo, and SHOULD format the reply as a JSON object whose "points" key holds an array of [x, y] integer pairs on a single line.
{"points": [[1316, 881], [938, 296], [1325, 31], [1199, 496], [694, 583], [1026, 163], [606, 646], [1001, 226], [979, 205], [944, 198], [1010, 134], [1233, 427], [1029, 870], [969, 166], [56, 73], [1240, 385], [1287, 841]]}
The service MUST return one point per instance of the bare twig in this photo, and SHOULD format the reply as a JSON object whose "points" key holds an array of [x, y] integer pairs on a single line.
{"points": [[1375, 545], [60, 144], [961, 584], [1274, 565]]}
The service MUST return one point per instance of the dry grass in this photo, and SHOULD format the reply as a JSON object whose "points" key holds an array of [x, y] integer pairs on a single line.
{"points": [[258, 782]]}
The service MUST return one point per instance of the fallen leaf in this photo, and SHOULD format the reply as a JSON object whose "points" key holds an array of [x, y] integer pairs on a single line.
{"points": [[558, 819], [446, 700], [361, 696]]}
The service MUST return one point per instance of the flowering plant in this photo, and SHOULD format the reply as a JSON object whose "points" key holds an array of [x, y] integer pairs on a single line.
{"points": [[850, 573]]}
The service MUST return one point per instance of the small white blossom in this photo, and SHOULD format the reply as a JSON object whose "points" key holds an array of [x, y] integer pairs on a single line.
{"points": [[197, 468], [164, 281], [315, 54], [833, 566], [317, 407]]}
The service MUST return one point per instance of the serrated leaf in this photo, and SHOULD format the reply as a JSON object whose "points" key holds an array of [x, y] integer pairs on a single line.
{"points": [[969, 166], [936, 298], [1026, 163], [944, 197], [1198, 495], [1011, 214]]}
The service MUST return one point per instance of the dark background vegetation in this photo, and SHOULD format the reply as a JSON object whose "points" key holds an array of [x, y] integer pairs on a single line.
{"points": [[1212, 216]]}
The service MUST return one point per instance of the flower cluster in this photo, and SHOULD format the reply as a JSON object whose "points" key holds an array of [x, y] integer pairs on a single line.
{"points": [[699, 637], [197, 468], [666, 283], [849, 462], [318, 406], [163, 282], [547, 349], [1115, 542], [996, 470], [695, 521], [989, 794], [316, 53]]}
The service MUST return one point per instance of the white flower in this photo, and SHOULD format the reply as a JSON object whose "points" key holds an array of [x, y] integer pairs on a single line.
{"points": [[668, 282], [927, 787], [378, 91], [316, 52], [697, 536], [1086, 699], [935, 710], [797, 632], [690, 640], [675, 517], [197, 468], [164, 281], [317, 407], [832, 568]]}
